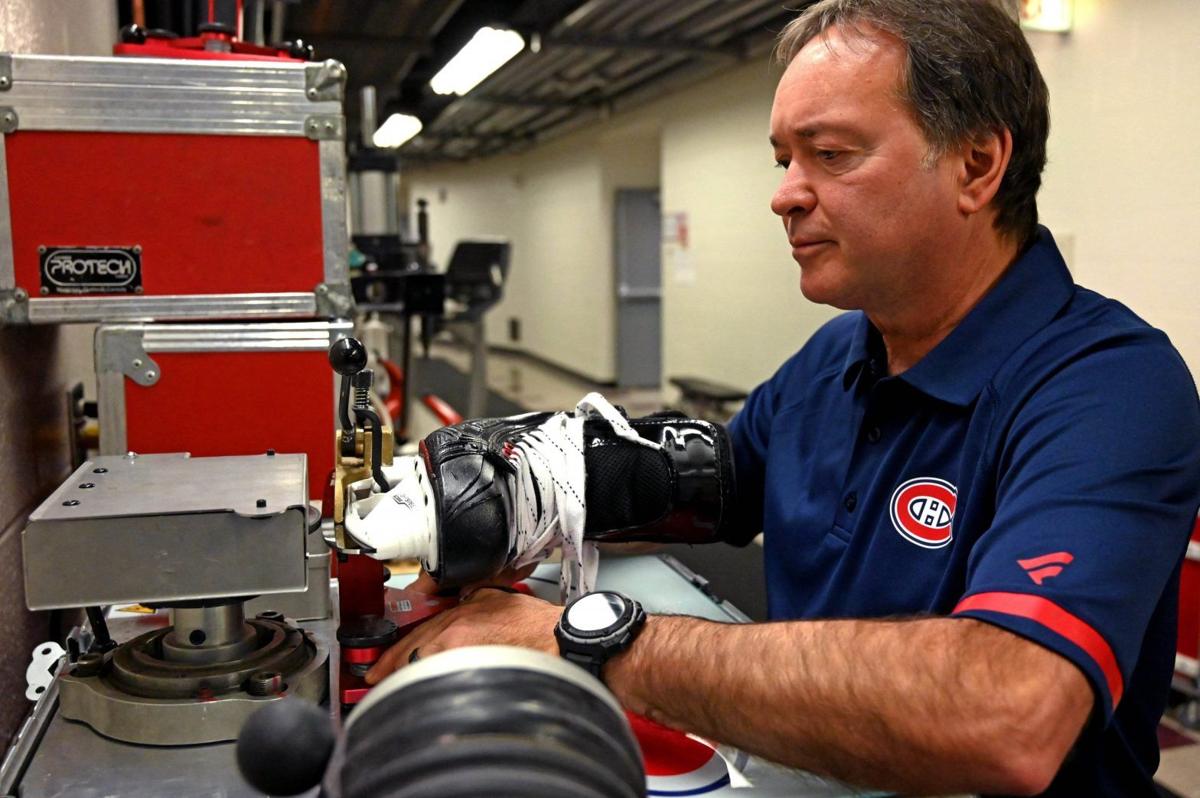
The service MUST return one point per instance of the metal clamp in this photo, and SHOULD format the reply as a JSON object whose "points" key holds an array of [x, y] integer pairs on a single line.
{"points": [[8, 119], [325, 81], [126, 356], [325, 127], [5, 71], [335, 301]]}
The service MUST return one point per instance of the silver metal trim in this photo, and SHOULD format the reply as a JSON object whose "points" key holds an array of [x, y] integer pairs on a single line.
{"points": [[126, 356], [325, 81], [110, 385], [159, 95], [170, 307], [151, 338], [5, 71], [8, 278], [314, 336], [8, 119], [318, 127], [335, 236], [336, 301], [24, 745]]}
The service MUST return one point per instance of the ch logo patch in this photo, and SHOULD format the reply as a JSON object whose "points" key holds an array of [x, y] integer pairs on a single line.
{"points": [[922, 511]]}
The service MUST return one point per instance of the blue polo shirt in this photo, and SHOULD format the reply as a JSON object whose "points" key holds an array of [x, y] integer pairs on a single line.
{"points": [[1038, 470]]}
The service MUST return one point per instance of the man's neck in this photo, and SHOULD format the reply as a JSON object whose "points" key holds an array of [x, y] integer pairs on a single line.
{"points": [[913, 331]]}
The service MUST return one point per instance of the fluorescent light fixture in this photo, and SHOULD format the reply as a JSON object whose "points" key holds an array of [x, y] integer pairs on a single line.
{"points": [[1049, 15], [397, 129], [488, 50]]}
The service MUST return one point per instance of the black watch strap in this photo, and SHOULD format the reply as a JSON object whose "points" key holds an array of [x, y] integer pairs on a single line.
{"points": [[591, 664]]}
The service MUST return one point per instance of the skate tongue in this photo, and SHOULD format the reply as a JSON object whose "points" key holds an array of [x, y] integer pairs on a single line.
{"points": [[402, 523]]}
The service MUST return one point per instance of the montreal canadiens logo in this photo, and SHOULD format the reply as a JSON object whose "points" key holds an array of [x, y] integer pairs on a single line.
{"points": [[922, 511]]}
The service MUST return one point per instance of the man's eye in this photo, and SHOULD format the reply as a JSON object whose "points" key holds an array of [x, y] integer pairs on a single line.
{"points": [[782, 163], [828, 155]]}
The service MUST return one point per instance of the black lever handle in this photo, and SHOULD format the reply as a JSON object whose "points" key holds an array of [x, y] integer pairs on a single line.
{"points": [[347, 356]]}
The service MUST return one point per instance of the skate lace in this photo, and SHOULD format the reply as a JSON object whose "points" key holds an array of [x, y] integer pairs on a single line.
{"points": [[548, 496]]}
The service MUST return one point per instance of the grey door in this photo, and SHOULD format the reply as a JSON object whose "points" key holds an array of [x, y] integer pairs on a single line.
{"points": [[638, 249]]}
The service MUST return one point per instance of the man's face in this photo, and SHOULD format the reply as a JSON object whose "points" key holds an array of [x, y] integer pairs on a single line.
{"points": [[864, 210]]}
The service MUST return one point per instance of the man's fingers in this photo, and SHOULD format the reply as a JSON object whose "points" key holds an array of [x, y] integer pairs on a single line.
{"points": [[424, 584], [397, 656]]}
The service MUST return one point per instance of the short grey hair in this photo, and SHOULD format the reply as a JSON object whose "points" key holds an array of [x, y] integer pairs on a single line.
{"points": [[969, 70]]}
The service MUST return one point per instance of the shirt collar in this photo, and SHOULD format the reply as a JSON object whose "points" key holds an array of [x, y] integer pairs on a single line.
{"points": [[1028, 295]]}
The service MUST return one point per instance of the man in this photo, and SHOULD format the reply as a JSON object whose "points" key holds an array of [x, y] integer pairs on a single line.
{"points": [[976, 487]]}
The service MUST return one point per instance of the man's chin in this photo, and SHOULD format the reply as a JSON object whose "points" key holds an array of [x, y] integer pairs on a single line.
{"points": [[824, 292]]}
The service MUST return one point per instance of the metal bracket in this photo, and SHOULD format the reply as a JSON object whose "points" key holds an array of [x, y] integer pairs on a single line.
{"points": [[14, 306], [325, 127], [325, 81], [335, 301], [8, 119], [5, 71], [125, 355]]}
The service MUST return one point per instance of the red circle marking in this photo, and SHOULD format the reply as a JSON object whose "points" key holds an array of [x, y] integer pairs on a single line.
{"points": [[667, 752]]}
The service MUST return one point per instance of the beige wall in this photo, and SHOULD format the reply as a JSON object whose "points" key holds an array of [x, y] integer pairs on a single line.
{"points": [[555, 205], [1122, 192], [1124, 175], [37, 365]]}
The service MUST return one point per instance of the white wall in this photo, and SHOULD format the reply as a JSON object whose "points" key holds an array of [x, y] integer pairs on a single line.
{"points": [[1124, 173], [1122, 192], [734, 311], [555, 205]]}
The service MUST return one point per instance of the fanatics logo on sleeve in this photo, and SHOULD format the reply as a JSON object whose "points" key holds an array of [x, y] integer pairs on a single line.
{"points": [[922, 511]]}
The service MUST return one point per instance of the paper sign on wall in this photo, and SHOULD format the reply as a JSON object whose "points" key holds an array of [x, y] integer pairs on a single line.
{"points": [[676, 247]]}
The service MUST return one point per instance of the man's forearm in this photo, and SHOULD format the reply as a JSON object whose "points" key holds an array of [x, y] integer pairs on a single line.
{"points": [[926, 705]]}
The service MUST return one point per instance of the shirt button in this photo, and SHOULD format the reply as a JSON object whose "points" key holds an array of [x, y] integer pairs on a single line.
{"points": [[850, 502], [874, 434]]}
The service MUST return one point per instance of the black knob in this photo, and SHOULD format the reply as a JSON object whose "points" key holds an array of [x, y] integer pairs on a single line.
{"points": [[216, 27], [348, 356], [133, 34], [367, 631], [284, 747], [297, 49]]}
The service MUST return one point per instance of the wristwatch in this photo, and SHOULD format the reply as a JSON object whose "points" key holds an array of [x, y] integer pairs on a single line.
{"points": [[596, 627]]}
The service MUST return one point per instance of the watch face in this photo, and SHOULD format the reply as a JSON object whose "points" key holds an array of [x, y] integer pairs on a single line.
{"points": [[596, 612]]}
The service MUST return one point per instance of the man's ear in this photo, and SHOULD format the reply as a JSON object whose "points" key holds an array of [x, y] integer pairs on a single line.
{"points": [[985, 160]]}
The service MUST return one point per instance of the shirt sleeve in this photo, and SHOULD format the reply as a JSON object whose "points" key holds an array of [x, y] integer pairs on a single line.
{"points": [[1097, 488], [749, 432]]}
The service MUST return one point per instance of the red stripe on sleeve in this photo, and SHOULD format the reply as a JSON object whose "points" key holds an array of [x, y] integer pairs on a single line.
{"points": [[1057, 620]]}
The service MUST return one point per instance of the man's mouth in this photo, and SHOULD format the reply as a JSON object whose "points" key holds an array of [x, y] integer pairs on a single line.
{"points": [[803, 248]]}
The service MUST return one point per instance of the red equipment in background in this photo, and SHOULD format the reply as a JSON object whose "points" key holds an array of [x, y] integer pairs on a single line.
{"points": [[1187, 648]]}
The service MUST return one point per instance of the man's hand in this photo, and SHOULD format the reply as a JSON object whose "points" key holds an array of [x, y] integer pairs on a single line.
{"points": [[486, 616]]}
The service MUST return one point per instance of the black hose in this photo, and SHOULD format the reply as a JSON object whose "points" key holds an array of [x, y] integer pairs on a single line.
{"points": [[492, 731]]}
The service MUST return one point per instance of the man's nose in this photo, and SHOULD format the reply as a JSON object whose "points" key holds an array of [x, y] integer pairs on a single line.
{"points": [[795, 194]]}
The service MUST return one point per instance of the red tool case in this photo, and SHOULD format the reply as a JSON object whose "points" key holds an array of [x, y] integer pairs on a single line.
{"points": [[171, 189]]}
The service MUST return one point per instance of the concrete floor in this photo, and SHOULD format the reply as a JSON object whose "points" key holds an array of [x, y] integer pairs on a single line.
{"points": [[539, 387]]}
